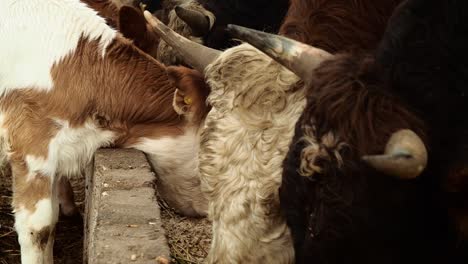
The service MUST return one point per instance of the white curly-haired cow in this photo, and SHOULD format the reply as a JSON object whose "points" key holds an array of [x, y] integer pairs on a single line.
{"points": [[70, 84], [255, 103]]}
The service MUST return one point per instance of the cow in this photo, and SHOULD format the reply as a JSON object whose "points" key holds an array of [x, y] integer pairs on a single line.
{"points": [[244, 138], [69, 90], [175, 190], [343, 200], [204, 21]]}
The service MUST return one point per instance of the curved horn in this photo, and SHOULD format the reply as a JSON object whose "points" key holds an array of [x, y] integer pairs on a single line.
{"points": [[196, 55], [296, 56], [198, 23], [405, 156]]}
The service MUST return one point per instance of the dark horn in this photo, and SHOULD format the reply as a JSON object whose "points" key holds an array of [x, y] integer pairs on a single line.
{"points": [[194, 54], [296, 56], [405, 156], [198, 22]]}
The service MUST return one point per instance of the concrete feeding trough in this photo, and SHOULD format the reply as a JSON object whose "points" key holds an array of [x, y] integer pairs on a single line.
{"points": [[122, 216]]}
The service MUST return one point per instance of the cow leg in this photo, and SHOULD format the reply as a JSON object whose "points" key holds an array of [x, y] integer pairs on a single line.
{"points": [[35, 205], [66, 197]]}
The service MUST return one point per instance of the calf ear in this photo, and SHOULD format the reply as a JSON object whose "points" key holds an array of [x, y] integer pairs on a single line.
{"points": [[181, 101], [132, 24], [175, 75]]}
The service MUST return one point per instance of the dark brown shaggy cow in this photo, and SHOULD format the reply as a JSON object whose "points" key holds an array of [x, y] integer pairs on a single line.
{"points": [[339, 209]]}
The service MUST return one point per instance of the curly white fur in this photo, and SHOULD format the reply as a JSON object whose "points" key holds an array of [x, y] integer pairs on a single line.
{"points": [[256, 103]]}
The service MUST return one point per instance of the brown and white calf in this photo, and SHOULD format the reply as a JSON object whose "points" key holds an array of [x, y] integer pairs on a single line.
{"points": [[70, 84]]}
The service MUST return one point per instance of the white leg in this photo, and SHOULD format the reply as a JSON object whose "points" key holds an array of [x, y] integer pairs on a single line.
{"points": [[36, 212]]}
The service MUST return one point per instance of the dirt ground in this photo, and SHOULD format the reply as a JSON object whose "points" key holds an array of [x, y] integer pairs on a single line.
{"points": [[189, 239]]}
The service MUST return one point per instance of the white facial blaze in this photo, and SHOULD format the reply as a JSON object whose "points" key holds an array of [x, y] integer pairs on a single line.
{"points": [[36, 34]]}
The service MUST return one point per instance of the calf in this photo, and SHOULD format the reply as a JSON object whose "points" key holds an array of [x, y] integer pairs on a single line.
{"points": [[339, 208], [86, 87], [175, 186]]}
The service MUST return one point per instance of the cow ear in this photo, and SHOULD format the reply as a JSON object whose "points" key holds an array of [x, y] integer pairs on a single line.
{"points": [[132, 24], [181, 102], [175, 75]]}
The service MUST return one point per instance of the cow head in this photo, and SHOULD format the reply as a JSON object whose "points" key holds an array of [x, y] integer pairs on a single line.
{"points": [[405, 155]]}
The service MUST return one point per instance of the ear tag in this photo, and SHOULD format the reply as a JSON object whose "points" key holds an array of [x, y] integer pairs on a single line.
{"points": [[187, 100]]}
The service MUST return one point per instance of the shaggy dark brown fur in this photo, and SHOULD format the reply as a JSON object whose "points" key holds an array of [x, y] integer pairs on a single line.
{"points": [[345, 211], [345, 97], [338, 25]]}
